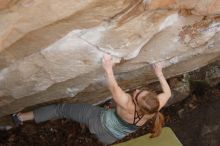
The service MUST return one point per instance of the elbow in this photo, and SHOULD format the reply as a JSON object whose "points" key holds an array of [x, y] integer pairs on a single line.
{"points": [[168, 94]]}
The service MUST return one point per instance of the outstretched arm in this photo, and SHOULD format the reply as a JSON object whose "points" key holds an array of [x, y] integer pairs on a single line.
{"points": [[119, 96], [166, 94]]}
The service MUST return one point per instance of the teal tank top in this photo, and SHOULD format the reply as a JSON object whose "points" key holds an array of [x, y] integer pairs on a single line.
{"points": [[115, 124]]}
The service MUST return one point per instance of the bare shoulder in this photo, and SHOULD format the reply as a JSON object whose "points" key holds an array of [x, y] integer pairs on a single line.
{"points": [[128, 105]]}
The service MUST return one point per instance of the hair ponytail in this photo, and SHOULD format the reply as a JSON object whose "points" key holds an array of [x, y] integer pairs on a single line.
{"points": [[150, 105], [158, 121]]}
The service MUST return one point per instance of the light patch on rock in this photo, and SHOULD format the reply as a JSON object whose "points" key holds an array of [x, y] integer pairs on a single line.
{"points": [[72, 91], [214, 27], [65, 59], [170, 20], [28, 3], [93, 35], [136, 51], [147, 1], [174, 60], [204, 35]]}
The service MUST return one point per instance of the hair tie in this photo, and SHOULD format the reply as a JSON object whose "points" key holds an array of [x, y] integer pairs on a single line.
{"points": [[156, 113]]}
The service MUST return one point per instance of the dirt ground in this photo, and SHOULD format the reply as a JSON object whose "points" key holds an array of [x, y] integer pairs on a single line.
{"points": [[195, 121]]}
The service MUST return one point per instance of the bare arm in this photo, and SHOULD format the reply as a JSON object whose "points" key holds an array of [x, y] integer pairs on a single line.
{"points": [[119, 96], [166, 94]]}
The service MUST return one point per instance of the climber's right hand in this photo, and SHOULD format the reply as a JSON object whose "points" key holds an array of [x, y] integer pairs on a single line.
{"points": [[107, 63]]}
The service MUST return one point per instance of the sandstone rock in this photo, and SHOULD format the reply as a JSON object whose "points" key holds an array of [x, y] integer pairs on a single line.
{"points": [[29, 15], [4, 4], [198, 7], [201, 7], [158, 4], [48, 57]]}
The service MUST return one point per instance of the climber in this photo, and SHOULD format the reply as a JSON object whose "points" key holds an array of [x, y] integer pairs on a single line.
{"points": [[109, 125]]}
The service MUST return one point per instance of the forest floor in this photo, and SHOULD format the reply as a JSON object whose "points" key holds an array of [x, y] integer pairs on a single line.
{"points": [[195, 121]]}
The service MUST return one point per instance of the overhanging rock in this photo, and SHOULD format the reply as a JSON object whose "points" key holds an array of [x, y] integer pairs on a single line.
{"points": [[50, 57]]}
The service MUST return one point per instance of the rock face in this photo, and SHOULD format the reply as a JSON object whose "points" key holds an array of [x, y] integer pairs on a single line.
{"points": [[50, 49]]}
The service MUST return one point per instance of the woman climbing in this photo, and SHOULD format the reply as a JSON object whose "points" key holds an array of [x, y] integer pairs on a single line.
{"points": [[109, 125]]}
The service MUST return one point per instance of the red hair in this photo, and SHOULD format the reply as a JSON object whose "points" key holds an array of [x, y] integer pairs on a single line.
{"points": [[150, 105]]}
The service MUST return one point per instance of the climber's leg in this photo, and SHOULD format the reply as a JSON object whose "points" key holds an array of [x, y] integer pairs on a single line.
{"points": [[77, 112]]}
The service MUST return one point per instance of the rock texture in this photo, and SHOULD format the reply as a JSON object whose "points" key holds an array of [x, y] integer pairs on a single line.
{"points": [[50, 49]]}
